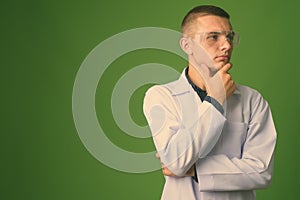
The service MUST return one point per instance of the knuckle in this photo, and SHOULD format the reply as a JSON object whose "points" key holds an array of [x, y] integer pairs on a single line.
{"points": [[227, 75]]}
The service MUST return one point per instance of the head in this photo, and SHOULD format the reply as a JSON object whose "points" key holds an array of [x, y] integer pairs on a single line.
{"points": [[207, 27]]}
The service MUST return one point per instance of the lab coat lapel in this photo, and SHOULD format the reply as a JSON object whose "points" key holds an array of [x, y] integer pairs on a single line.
{"points": [[188, 100]]}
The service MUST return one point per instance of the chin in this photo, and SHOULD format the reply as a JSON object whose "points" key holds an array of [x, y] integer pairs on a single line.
{"points": [[221, 64]]}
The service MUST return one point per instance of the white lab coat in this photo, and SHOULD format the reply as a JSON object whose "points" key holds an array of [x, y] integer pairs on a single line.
{"points": [[232, 152]]}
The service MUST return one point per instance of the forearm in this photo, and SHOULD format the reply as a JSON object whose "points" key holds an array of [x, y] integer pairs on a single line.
{"points": [[219, 173], [182, 132], [252, 169], [190, 143]]}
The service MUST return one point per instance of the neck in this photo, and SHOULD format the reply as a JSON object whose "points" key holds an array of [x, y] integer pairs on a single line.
{"points": [[196, 78]]}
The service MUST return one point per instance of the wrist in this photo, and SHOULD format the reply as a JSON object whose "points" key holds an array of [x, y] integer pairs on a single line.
{"points": [[219, 99]]}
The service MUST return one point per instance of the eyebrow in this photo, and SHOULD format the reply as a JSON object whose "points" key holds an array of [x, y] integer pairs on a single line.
{"points": [[214, 32]]}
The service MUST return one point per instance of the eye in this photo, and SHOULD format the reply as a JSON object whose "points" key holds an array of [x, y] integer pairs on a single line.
{"points": [[213, 36], [230, 36]]}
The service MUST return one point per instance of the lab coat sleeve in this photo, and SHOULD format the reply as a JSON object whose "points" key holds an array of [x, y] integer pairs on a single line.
{"points": [[255, 167], [180, 142]]}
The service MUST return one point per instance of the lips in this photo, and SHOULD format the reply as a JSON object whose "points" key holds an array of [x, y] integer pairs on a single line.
{"points": [[223, 58]]}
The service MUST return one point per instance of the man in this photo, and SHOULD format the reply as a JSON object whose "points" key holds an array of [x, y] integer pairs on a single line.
{"points": [[215, 139]]}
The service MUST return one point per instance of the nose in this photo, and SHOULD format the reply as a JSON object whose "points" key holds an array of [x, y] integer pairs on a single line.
{"points": [[226, 44]]}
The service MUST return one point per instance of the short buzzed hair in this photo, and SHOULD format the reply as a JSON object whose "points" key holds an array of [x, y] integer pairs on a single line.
{"points": [[199, 11]]}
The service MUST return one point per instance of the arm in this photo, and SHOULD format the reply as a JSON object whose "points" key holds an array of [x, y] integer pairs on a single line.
{"points": [[254, 169], [180, 139]]}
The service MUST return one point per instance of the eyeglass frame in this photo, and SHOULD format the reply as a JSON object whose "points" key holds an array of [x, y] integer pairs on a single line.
{"points": [[226, 33]]}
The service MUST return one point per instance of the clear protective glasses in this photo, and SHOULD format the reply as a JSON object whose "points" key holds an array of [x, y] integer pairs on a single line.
{"points": [[214, 38]]}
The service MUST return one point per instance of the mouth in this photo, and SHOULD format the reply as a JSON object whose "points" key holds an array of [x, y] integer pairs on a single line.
{"points": [[223, 57]]}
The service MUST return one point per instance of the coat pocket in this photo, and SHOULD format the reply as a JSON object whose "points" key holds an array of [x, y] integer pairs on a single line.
{"points": [[232, 139]]}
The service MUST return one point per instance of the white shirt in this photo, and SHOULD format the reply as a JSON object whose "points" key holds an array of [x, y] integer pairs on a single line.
{"points": [[232, 152]]}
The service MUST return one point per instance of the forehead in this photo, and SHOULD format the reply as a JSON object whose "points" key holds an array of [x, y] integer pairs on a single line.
{"points": [[212, 23]]}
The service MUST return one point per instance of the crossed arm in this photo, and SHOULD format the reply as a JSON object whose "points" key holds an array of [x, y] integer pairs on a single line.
{"points": [[167, 172], [182, 147]]}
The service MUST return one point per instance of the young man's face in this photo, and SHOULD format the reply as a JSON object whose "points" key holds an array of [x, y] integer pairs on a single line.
{"points": [[214, 34]]}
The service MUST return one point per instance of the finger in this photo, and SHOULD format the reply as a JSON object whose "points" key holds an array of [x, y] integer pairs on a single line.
{"points": [[233, 87], [230, 88], [157, 155], [167, 172], [226, 67]]}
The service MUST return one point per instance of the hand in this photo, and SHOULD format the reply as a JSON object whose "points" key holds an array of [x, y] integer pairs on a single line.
{"points": [[218, 84], [217, 80], [221, 86], [168, 172], [165, 170]]}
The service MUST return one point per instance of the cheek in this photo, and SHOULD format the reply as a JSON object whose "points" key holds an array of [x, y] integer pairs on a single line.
{"points": [[211, 52]]}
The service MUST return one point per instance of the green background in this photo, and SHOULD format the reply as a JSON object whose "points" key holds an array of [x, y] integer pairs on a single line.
{"points": [[43, 44]]}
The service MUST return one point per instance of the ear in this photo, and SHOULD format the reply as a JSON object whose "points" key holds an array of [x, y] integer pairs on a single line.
{"points": [[185, 44]]}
